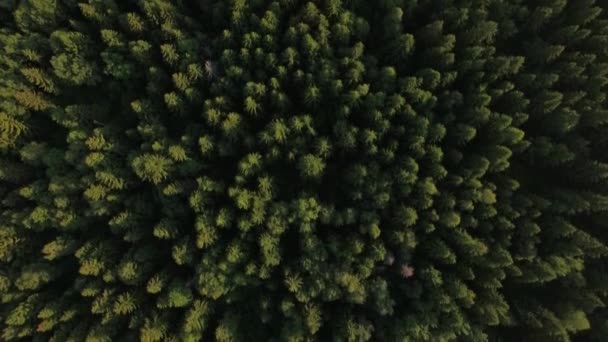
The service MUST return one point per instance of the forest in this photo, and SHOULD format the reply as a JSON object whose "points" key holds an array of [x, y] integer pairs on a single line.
{"points": [[298, 171]]}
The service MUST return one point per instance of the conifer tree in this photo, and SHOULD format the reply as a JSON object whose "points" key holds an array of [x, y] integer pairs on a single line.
{"points": [[237, 170]]}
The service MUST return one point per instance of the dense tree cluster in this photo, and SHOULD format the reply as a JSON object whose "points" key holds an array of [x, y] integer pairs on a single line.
{"points": [[331, 170]]}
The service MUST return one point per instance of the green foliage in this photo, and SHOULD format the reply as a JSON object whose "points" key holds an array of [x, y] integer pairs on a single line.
{"points": [[311, 166], [10, 129], [303, 171], [152, 167]]}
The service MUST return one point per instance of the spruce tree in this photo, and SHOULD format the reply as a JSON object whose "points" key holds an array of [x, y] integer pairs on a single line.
{"points": [[390, 170]]}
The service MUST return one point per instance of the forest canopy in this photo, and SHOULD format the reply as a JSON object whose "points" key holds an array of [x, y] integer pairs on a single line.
{"points": [[324, 170]]}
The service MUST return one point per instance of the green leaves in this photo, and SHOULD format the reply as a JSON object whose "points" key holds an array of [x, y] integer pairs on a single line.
{"points": [[124, 304], [178, 294], [450, 219], [169, 53], [312, 314], [10, 129], [35, 276], [206, 235], [251, 106], [32, 100], [342, 170], [40, 79], [154, 329], [75, 70], [38, 15], [311, 166], [251, 164], [166, 229], [195, 320], [60, 247], [152, 167], [293, 283]]}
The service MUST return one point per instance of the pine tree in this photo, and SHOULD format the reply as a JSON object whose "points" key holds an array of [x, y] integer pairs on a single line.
{"points": [[334, 170]]}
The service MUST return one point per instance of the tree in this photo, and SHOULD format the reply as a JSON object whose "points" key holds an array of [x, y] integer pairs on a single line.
{"points": [[332, 170]]}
